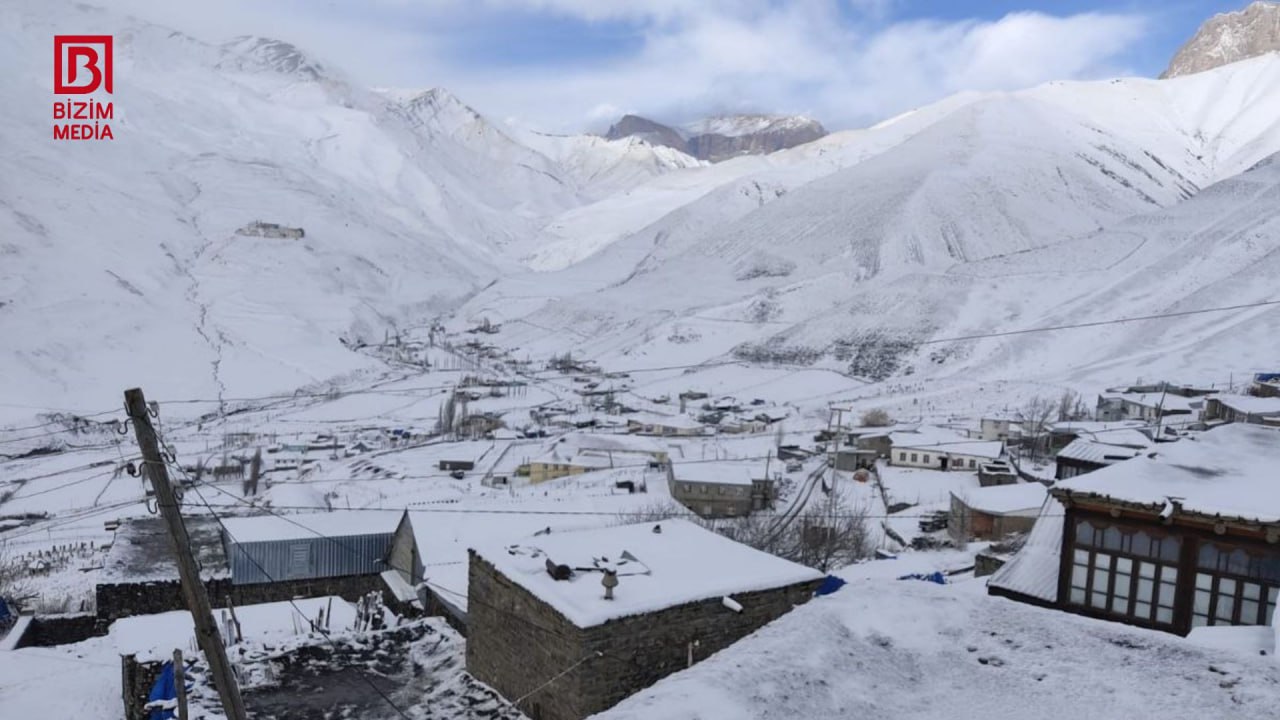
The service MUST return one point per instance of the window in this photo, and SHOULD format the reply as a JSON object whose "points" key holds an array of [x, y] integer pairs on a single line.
{"points": [[902, 457], [1234, 586], [972, 463], [913, 457], [926, 458], [1125, 572]]}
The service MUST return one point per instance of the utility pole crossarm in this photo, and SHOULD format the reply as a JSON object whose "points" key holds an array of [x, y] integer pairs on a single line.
{"points": [[193, 589]]}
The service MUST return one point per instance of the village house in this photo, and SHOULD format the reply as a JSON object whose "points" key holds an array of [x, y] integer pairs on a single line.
{"points": [[577, 453], [664, 425], [1265, 385], [1128, 433], [1003, 429], [996, 472], [992, 513], [1146, 406], [1185, 535], [716, 490], [1221, 409], [558, 463], [262, 558], [937, 449], [571, 623], [876, 440], [1084, 456]]}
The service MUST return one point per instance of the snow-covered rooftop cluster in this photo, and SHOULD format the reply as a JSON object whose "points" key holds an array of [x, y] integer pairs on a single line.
{"points": [[1228, 471], [1016, 499], [659, 565]]}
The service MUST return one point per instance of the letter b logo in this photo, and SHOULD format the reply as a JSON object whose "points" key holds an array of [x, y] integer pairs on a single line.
{"points": [[81, 64]]}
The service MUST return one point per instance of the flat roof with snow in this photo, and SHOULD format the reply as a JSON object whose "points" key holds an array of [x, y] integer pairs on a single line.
{"points": [[671, 421], [611, 442], [682, 563], [1096, 452], [940, 440], [725, 473], [1250, 405], [1016, 499], [340, 523], [1229, 471]]}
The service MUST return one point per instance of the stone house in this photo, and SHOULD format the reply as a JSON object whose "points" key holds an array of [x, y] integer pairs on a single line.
{"points": [[937, 449], [717, 490], [1221, 409], [542, 611], [664, 425], [1180, 537], [992, 513]]}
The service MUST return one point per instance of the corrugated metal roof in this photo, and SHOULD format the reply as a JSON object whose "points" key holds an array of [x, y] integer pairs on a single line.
{"points": [[1033, 571], [1096, 452]]}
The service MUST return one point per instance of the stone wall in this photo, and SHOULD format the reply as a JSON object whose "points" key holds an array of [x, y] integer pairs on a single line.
{"points": [[50, 630], [517, 643], [985, 564], [117, 601], [136, 681]]}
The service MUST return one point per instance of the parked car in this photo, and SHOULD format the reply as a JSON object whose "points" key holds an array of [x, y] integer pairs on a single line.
{"points": [[458, 474]]}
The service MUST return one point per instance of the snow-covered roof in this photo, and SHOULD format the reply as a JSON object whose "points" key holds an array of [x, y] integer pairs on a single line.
{"points": [[1033, 570], [339, 523], [586, 460], [140, 551], [940, 440], [1251, 405], [1228, 471], [725, 473], [671, 421], [610, 443], [1096, 452], [681, 564], [1167, 401], [1017, 499]]}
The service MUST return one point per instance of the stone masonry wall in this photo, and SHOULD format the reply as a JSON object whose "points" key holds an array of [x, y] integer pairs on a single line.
{"points": [[148, 598], [50, 630], [516, 643]]}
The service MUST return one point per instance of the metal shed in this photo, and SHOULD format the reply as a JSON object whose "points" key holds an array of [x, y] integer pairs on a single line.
{"points": [[275, 548]]}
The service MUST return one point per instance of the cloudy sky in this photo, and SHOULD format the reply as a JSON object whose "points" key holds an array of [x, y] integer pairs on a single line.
{"points": [[571, 65]]}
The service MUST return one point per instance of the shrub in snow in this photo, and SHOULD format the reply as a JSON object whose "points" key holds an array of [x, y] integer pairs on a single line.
{"points": [[877, 417], [763, 264], [776, 351]]}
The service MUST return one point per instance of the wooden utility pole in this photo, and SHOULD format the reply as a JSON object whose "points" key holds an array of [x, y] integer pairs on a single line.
{"points": [[180, 684], [193, 589]]}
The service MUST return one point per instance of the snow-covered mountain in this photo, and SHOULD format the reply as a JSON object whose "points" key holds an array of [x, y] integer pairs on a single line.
{"points": [[859, 251], [407, 201], [723, 136], [1229, 37]]}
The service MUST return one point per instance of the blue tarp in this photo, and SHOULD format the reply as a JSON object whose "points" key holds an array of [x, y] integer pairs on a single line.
{"points": [[1266, 377], [936, 577], [6, 615], [829, 585], [164, 689]]}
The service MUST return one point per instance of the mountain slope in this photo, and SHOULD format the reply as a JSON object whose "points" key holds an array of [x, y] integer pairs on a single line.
{"points": [[723, 137], [1227, 38]]}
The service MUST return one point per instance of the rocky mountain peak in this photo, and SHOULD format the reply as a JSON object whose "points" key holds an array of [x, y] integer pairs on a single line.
{"points": [[723, 136], [1229, 37]]}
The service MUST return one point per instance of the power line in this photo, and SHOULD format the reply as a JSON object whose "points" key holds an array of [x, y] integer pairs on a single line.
{"points": [[1099, 323]]}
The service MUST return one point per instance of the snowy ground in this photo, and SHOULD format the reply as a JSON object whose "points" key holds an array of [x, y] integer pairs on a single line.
{"points": [[884, 648]]}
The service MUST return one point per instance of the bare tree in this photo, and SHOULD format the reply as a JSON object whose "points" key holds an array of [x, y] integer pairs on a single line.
{"points": [[876, 417], [1034, 417], [14, 586]]}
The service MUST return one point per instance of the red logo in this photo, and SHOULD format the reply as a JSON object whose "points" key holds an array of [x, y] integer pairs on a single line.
{"points": [[81, 64]]}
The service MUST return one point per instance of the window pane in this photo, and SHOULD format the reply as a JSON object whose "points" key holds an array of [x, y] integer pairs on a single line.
{"points": [[1238, 562], [1168, 574], [1077, 596], [1271, 608], [1079, 576], [1204, 581], [1146, 570], [1270, 568], [1208, 555], [1100, 577], [1102, 560], [1250, 590], [1124, 565], [1111, 538], [1227, 586], [1164, 615], [1223, 612], [1098, 600], [1248, 612], [1199, 621], [1084, 533], [1142, 610], [1169, 548], [1141, 544], [1202, 602], [1167, 591], [1082, 557], [1145, 588], [1122, 586]]}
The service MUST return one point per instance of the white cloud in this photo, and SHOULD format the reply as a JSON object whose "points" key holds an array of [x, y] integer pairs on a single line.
{"points": [[838, 60]]}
